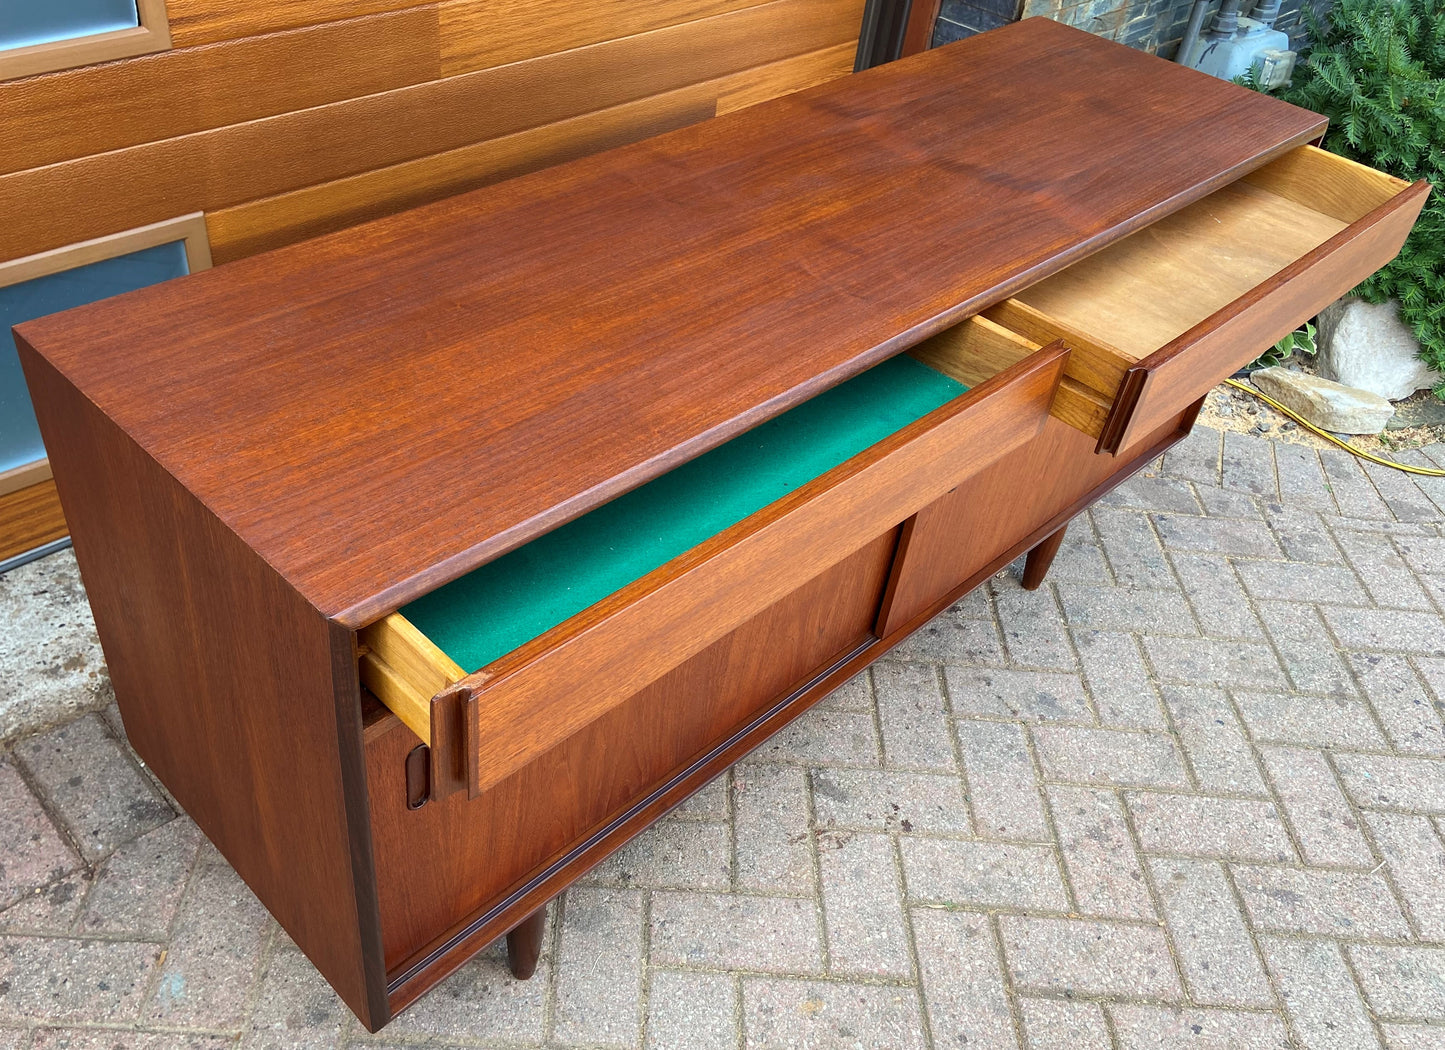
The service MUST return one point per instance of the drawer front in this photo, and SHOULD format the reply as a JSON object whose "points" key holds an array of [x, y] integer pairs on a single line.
{"points": [[526, 703], [458, 861], [1162, 384]]}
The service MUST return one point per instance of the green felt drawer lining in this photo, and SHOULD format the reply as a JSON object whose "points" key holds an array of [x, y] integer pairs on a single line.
{"points": [[494, 609]]}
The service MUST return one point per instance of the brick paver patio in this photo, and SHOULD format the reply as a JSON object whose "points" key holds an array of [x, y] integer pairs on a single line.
{"points": [[1191, 793]]}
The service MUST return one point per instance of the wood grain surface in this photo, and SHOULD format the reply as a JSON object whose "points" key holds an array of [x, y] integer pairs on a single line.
{"points": [[29, 517], [262, 749], [694, 284]]}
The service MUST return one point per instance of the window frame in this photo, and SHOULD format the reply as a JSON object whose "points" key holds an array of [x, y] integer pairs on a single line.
{"points": [[153, 34], [189, 229]]}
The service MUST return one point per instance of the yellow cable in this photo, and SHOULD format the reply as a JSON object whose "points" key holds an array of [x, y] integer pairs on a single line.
{"points": [[1427, 471]]}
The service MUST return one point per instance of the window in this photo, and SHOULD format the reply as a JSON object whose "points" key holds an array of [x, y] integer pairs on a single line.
{"points": [[53, 281], [38, 36]]}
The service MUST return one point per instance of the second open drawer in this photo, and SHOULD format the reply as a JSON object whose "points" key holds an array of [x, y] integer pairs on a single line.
{"points": [[1157, 319]]}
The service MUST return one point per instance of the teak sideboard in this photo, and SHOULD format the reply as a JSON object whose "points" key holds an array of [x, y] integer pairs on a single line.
{"points": [[435, 558]]}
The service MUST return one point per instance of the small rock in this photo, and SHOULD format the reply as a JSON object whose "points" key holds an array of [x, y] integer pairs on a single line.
{"points": [[1417, 412], [1366, 345], [1326, 404]]}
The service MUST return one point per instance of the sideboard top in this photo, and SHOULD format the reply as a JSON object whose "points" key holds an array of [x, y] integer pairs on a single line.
{"points": [[380, 410]]}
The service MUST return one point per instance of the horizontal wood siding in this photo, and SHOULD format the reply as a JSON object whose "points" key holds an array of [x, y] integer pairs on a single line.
{"points": [[245, 119]]}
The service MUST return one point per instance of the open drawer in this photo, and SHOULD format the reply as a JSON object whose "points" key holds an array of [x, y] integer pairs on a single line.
{"points": [[1157, 319], [503, 664]]}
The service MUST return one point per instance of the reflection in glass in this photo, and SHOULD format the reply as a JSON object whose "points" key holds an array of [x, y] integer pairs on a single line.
{"points": [[19, 435], [27, 22]]}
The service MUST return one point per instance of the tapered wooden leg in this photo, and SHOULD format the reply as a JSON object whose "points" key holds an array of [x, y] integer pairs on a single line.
{"points": [[524, 944], [1040, 558]]}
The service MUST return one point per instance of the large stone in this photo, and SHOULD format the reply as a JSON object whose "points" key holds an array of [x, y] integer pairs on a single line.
{"points": [[1332, 406], [1366, 345]]}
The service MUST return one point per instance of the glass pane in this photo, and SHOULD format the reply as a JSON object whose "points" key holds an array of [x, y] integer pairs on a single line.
{"points": [[26, 22], [19, 436]]}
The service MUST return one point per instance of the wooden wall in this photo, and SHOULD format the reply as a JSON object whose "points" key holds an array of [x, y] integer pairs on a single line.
{"points": [[284, 119]]}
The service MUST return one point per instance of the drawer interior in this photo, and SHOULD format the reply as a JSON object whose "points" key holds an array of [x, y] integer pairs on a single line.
{"points": [[434, 642], [1133, 298]]}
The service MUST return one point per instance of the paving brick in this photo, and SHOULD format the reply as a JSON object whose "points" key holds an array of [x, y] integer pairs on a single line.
{"points": [[829, 738], [953, 638], [1088, 957], [1034, 696], [93, 786], [127, 1039], [1423, 553], [138, 890], [1054, 1024], [1201, 826], [1196, 457], [1387, 782], [1099, 854], [1294, 581], [1318, 995], [1387, 629], [1248, 465], [856, 694], [994, 874], [1301, 480], [599, 968], [1402, 983], [692, 1011], [1218, 600], [1388, 580], [887, 800], [49, 910], [1213, 662], [1108, 756], [1213, 740], [1165, 1028], [1306, 649], [735, 932], [710, 802], [1331, 903], [1324, 825], [791, 1014], [1133, 551], [295, 1007], [1153, 493], [911, 711], [43, 979], [1415, 856], [1216, 536], [1315, 720], [1080, 559], [771, 803], [1033, 631], [1401, 494], [1127, 607], [215, 955], [1301, 535], [1413, 1036], [32, 853], [1001, 781], [1228, 503], [962, 981], [481, 1000], [1210, 939], [1353, 492], [863, 907], [1123, 692]]}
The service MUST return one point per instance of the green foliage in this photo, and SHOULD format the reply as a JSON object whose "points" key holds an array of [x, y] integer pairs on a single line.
{"points": [[1301, 341], [1377, 71]]}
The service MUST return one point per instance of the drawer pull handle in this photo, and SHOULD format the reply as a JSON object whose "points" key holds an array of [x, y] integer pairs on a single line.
{"points": [[418, 776]]}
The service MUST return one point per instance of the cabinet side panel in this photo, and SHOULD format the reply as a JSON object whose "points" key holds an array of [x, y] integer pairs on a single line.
{"points": [[229, 685]]}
